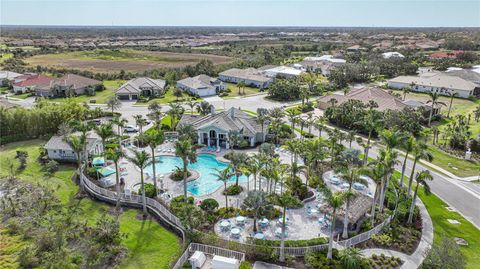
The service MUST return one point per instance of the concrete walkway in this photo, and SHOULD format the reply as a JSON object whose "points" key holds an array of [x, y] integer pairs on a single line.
{"points": [[416, 259]]}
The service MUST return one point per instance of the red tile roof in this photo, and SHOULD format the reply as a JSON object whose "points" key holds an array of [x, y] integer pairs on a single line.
{"points": [[450, 55], [34, 80]]}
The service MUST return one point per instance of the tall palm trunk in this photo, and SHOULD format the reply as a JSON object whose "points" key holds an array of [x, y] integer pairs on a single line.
{"points": [[254, 181], [402, 177], [382, 193], [374, 205], [410, 180], [367, 148], [255, 223], [345, 219], [185, 175], [430, 117], [155, 173], [330, 240], [226, 197], [282, 242], [144, 200], [117, 187], [412, 206]]}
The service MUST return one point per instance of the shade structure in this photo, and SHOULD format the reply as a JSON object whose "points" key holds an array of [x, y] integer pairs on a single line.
{"points": [[106, 171], [98, 161]]}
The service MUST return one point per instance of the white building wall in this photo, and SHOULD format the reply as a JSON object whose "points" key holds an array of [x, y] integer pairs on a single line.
{"points": [[422, 88]]}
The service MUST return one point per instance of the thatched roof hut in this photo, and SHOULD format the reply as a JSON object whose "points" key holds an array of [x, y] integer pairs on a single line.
{"points": [[359, 205]]}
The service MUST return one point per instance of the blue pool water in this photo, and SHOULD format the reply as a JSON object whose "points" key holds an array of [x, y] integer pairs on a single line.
{"points": [[205, 166]]}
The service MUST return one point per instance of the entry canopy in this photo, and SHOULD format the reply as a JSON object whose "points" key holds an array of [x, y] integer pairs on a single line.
{"points": [[98, 161]]}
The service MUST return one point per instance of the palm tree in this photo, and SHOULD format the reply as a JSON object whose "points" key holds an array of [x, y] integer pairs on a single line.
{"points": [[310, 80], [178, 93], [452, 95], [141, 159], [421, 178], [372, 123], [350, 137], [253, 165], [77, 143], [262, 118], [420, 151], [104, 131], [188, 153], [155, 114], [375, 171], [351, 176], [389, 159], [115, 155], [120, 123], [285, 200], [140, 122], [434, 102], [237, 159], [113, 103], [351, 258], [320, 124], [257, 203], [224, 176], [241, 85], [292, 115], [204, 108], [154, 138], [334, 201], [192, 104], [407, 146], [174, 112]]}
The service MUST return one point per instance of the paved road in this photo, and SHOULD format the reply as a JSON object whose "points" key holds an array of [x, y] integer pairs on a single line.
{"points": [[461, 195]]}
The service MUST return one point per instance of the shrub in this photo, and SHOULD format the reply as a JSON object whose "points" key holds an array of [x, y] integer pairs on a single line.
{"points": [[92, 101], [149, 190], [233, 190], [51, 167], [209, 204], [245, 265], [382, 239], [177, 175], [91, 172], [223, 94]]}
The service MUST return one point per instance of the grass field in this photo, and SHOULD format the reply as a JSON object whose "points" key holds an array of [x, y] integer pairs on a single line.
{"points": [[110, 61], [5, 56], [234, 91], [441, 227], [149, 244], [459, 107], [100, 97]]}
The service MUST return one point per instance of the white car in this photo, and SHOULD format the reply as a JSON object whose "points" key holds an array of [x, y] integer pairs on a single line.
{"points": [[130, 129]]}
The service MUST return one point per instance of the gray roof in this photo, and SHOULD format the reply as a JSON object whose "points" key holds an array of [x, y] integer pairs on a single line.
{"points": [[57, 142], [8, 75], [199, 82], [439, 80], [466, 74], [247, 74], [135, 85], [230, 120]]}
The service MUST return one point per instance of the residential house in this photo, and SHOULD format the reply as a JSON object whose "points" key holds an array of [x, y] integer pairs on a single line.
{"points": [[250, 76], [466, 74], [28, 83], [448, 55], [439, 82], [202, 85], [323, 64], [68, 85], [142, 86], [213, 129], [58, 149], [283, 71], [7, 77], [384, 100], [392, 54]]}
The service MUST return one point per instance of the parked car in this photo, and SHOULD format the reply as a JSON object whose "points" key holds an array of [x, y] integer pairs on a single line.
{"points": [[130, 129]]}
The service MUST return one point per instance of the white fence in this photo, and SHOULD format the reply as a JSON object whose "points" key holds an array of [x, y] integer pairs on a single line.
{"points": [[210, 250]]}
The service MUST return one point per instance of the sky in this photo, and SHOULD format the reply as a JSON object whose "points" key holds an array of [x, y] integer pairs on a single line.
{"points": [[379, 13]]}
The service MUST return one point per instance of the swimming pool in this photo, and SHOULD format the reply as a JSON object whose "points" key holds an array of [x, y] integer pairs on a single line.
{"points": [[205, 166]]}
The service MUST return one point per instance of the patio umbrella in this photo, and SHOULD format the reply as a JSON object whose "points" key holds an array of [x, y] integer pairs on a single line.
{"points": [[98, 161], [106, 171]]}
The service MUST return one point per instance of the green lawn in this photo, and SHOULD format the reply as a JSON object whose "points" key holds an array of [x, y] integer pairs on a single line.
{"points": [[458, 166], [5, 56], [100, 97], [21, 96], [234, 91], [441, 227], [459, 107], [167, 98], [149, 244]]}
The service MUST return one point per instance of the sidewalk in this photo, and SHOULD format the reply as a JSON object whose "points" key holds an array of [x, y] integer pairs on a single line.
{"points": [[416, 259]]}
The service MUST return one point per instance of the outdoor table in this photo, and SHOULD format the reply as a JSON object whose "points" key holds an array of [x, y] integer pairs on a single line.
{"points": [[235, 231], [224, 224], [278, 232], [260, 236], [240, 219], [345, 185], [335, 180], [313, 210], [358, 186]]}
